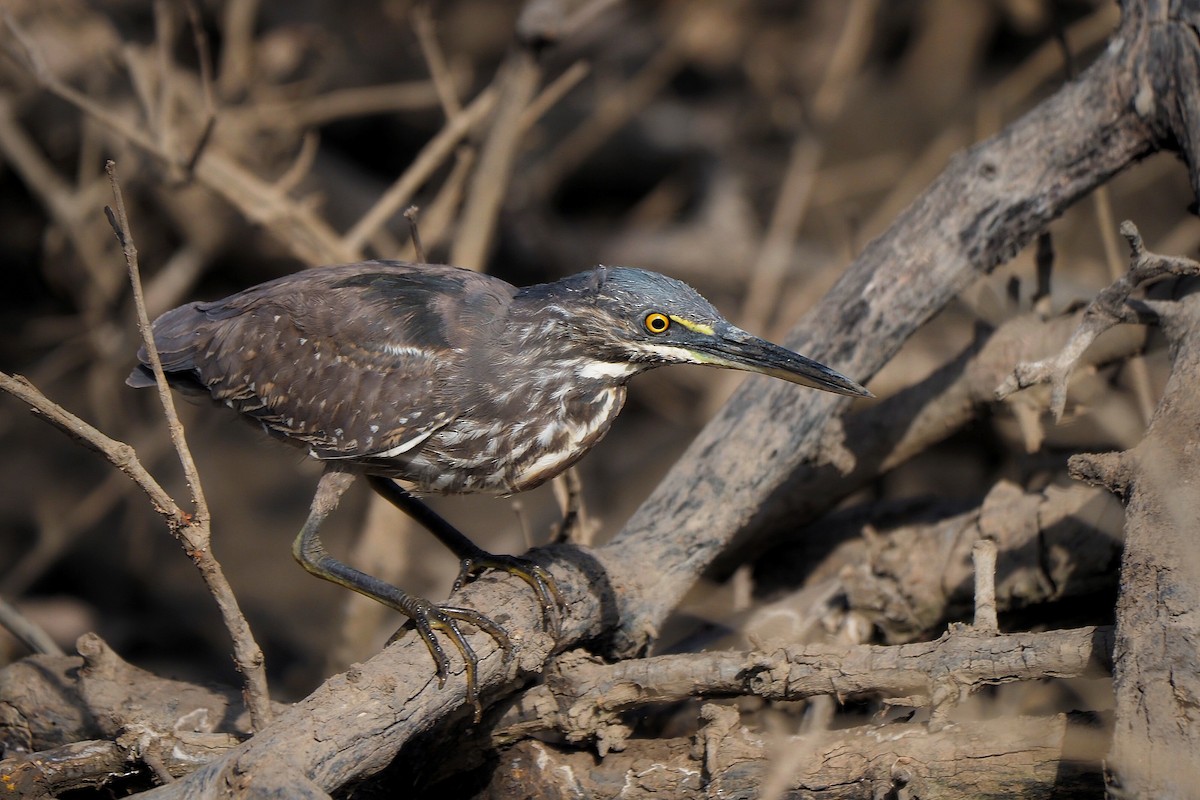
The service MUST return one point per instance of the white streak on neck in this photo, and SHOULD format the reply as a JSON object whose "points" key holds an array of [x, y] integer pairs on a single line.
{"points": [[599, 370]]}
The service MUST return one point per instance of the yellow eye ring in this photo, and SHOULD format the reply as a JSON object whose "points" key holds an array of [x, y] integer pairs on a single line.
{"points": [[657, 323]]}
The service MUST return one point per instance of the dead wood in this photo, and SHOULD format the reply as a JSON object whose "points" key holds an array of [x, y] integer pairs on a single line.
{"points": [[990, 201], [72, 721], [583, 698], [1157, 666], [888, 433], [736, 480], [1014, 757], [909, 580]]}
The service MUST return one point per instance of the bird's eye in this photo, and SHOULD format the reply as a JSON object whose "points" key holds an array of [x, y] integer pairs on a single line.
{"points": [[657, 323]]}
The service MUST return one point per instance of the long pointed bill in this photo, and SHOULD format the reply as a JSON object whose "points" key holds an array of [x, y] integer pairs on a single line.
{"points": [[732, 347]]}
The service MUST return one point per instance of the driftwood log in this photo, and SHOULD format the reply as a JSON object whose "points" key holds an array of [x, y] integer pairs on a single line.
{"points": [[764, 463]]}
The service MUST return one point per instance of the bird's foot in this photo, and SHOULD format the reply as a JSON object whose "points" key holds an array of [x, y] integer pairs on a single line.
{"points": [[428, 617], [537, 576]]}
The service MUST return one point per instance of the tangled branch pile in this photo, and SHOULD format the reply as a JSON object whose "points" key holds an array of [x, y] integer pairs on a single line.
{"points": [[995, 564]]}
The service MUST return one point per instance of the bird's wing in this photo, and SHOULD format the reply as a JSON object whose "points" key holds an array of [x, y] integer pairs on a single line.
{"points": [[352, 362]]}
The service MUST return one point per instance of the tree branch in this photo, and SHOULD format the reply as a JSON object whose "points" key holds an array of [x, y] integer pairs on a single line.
{"points": [[991, 200]]}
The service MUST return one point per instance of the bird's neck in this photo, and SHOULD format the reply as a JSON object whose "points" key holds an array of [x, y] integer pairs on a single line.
{"points": [[555, 341]]}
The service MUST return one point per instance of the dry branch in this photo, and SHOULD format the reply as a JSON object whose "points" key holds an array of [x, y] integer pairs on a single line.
{"points": [[196, 536], [584, 698], [908, 580], [991, 200], [518, 80], [1157, 666], [1110, 307], [1026, 757], [191, 531], [56, 708], [296, 226], [119, 454], [910, 422]]}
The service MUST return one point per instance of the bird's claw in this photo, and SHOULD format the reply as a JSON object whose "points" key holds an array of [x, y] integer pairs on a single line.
{"points": [[428, 617], [537, 576]]}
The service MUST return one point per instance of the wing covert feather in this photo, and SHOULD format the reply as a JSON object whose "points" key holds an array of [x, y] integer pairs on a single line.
{"points": [[352, 361]]}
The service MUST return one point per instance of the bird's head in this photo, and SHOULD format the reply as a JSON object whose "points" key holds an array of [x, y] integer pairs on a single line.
{"points": [[623, 316]]}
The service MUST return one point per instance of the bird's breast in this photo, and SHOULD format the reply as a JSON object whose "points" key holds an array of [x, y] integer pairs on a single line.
{"points": [[571, 433], [520, 448]]}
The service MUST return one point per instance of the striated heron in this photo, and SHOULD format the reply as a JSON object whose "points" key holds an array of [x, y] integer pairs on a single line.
{"points": [[451, 381]]}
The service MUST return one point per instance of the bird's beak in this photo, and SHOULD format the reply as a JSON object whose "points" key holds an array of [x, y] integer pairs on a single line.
{"points": [[731, 347]]}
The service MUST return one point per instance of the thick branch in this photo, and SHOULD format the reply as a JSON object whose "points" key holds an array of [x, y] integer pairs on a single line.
{"points": [[1157, 674], [584, 698], [51, 705], [894, 430], [1028, 757], [356, 722], [979, 212]]}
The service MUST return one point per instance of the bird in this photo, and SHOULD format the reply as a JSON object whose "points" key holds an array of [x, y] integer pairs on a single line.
{"points": [[452, 381]]}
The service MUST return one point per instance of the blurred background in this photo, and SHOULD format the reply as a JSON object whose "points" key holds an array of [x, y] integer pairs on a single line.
{"points": [[750, 148]]}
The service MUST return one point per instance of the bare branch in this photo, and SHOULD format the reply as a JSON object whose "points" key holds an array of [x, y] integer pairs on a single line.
{"points": [[204, 57], [411, 214], [120, 223], [119, 454], [443, 81], [196, 535], [429, 159], [518, 81], [1108, 308], [984, 556], [589, 695], [297, 227], [27, 632]]}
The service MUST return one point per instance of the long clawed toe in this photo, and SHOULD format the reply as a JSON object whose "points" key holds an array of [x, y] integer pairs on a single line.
{"points": [[427, 618], [537, 576]]}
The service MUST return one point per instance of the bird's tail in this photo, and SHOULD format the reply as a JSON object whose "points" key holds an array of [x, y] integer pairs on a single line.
{"points": [[178, 334]]}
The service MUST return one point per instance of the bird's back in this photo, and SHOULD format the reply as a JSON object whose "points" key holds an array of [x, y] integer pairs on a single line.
{"points": [[350, 362]]}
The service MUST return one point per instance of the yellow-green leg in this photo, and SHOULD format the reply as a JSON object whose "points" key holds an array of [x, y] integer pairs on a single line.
{"points": [[472, 558], [427, 617]]}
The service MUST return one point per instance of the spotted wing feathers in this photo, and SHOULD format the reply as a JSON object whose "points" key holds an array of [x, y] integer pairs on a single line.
{"points": [[350, 362]]}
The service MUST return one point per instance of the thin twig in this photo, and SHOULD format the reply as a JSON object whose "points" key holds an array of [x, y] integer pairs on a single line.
{"points": [[775, 255], [435, 59], [1139, 373], [1044, 262], [611, 111], [237, 50], [399, 195], [308, 236], [119, 454], [554, 91], [195, 534], [204, 57], [518, 82], [574, 525], [29, 633], [120, 223], [410, 214], [317, 110], [301, 165], [160, 112], [439, 214]]}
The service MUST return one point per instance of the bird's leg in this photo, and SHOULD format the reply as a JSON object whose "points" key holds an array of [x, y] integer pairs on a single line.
{"points": [[427, 617], [472, 558]]}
